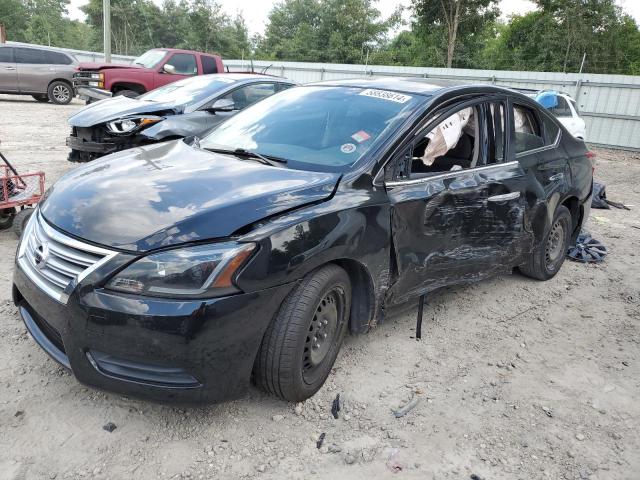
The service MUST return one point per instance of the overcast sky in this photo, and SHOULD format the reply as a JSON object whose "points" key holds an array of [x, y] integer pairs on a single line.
{"points": [[256, 11]]}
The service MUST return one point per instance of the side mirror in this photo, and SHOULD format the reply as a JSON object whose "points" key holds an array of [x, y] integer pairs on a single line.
{"points": [[169, 69], [222, 105]]}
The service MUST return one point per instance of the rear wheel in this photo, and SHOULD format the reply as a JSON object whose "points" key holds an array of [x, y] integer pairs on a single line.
{"points": [[546, 260], [42, 97], [60, 92], [301, 343]]}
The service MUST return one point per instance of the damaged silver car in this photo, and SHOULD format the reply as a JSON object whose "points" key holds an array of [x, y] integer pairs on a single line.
{"points": [[189, 107]]}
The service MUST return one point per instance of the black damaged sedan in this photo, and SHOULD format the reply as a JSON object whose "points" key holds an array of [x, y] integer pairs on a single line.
{"points": [[182, 270]]}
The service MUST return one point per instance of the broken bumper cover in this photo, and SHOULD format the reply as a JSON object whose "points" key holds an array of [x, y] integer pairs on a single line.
{"points": [[93, 93], [75, 143], [162, 350]]}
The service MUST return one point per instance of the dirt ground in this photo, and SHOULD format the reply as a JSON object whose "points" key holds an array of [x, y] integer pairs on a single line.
{"points": [[515, 379]]}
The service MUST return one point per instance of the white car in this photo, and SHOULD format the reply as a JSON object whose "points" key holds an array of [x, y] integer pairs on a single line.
{"points": [[564, 108]]}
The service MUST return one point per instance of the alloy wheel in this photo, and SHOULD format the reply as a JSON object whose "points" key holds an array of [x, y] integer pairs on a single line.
{"points": [[61, 93]]}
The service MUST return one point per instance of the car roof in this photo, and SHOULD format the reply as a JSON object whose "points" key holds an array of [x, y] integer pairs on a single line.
{"points": [[415, 86], [239, 77]]}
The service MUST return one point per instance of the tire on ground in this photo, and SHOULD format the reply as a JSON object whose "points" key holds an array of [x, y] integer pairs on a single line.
{"points": [[60, 93], [285, 366], [548, 256]]}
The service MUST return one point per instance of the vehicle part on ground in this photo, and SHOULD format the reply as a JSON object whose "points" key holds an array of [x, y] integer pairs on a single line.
{"points": [[546, 260], [60, 93], [301, 343], [587, 249], [600, 199]]}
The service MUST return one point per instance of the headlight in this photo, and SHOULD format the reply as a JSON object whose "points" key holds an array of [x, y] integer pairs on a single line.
{"points": [[128, 125], [202, 271], [97, 76]]}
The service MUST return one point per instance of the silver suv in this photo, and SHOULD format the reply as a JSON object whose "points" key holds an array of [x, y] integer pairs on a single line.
{"points": [[45, 74]]}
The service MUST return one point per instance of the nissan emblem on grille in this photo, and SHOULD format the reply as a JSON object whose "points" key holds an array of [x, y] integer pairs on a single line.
{"points": [[40, 255]]}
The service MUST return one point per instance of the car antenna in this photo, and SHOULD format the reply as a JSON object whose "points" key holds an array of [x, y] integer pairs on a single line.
{"points": [[419, 319]]}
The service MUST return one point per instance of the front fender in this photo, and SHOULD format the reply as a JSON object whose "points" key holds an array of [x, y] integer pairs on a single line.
{"points": [[195, 123]]}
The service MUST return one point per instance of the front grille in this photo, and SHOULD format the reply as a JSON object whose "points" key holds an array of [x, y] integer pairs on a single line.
{"points": [[55, 262]]}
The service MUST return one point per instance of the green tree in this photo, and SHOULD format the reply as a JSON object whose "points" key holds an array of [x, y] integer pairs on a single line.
{"points": [[453, 30], [340, 31], [559, 33]]}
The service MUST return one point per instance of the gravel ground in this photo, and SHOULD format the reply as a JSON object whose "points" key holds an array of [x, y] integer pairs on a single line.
{"points": [[514, 379]]}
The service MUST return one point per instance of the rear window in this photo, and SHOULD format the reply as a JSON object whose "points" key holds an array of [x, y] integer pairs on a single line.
{"points": [[562, 108], [6, 54], [209, 65], [528, 135]]}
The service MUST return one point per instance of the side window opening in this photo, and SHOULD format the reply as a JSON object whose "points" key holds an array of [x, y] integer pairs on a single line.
{"points": [[184, 63], [209, 64], [451, 145], [562, 109], [551, 130], [250, 94], [527, 131]]}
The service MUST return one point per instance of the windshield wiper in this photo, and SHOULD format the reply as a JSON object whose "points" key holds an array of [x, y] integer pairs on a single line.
{"points": [[241, 152]]}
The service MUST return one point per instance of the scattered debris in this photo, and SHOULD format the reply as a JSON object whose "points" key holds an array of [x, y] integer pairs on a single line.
{"points": [[109, 427], [320, 440], [392, 464], [19, 413], [349, 459], [475, 477], [587, 249], [547, 411], [335, 406], [402, 411], [277, 418], [580, 437], [599, 199]]}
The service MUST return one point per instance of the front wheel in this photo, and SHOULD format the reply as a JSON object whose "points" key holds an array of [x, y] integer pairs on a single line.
{"points": [[302, 342], [127, 93], [547, 258], [60, 93]]}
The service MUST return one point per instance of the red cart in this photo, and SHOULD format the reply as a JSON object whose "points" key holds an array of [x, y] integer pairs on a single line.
{"points": [[18, 195]]}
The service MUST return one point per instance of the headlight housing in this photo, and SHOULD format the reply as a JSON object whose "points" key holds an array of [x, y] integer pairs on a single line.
{"points": [[201, 271], [131, 124]]}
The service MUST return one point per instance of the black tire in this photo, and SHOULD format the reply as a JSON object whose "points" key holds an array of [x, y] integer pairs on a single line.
{"points": [[292, 362], [20, 220], [6, 220], [41, 97], [60, 93], [547, 258], [127, 93]]}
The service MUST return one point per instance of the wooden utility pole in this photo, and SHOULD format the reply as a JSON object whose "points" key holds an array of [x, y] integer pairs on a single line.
{"points": [[3, 33], [106, 22]]}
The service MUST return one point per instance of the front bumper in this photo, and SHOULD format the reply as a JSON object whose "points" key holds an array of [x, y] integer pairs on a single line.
{"points": [[93, 93], [163, 350]]}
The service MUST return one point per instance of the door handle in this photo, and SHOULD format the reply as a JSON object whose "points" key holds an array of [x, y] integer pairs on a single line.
{"points": [[9, 68], [504, 197], [557, 177]]}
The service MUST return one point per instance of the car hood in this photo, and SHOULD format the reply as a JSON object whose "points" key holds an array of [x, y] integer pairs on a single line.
{"points": [[170, 193], [104, 66], [114, 108]]}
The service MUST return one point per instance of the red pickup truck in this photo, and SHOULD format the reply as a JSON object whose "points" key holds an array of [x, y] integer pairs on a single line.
{"points": [[155, 68]]}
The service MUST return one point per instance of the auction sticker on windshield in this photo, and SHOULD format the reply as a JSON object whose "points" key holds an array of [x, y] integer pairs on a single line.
{"points": [[386, 95]]}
